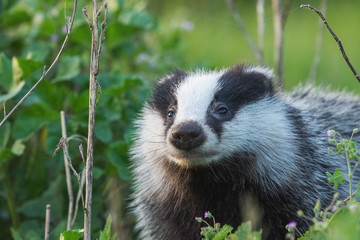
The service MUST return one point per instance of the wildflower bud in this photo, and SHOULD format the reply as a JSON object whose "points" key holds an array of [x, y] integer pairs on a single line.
{"points": [[330, 151], [199, 219], [292, 224], [334, 208], [355, 130], [207, 214], [300, 213], [336, 195], [317, 206]]}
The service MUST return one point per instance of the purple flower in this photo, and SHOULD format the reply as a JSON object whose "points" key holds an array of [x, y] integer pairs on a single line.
{"points": [[352, 208], [54, 38], [142, 57], [334, 208], [152, 64], [206, 214], [292, 225], [187, 26], [64, 29], [329, 133]]}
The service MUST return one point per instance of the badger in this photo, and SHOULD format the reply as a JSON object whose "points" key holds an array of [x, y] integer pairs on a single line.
{"points": [[227, 142]]}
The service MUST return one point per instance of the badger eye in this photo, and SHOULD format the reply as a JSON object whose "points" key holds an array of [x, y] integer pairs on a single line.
{"points": [[222, 110], [171, 114]]}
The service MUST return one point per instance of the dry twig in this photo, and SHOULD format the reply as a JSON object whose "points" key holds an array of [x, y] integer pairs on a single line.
{"points": [[278, 42], [260, 9], [341, 48], [257, 53], [94, 70], [47, 222], [319, 40], [79, 194], [44, 72], [67, 171]]}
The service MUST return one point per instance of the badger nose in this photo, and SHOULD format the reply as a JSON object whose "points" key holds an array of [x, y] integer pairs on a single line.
{"points": [[187, 136]]}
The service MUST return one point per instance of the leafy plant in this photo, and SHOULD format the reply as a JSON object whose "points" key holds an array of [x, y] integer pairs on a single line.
{"points": [[30, 178], [341, 219], [214, 231]]}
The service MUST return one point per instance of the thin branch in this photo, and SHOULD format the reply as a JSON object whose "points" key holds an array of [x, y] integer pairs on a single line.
{"points": [[62, 143], [236, 15], [79, 195], [47, 222], [4, 109], [45, 72], [319, 41], [102, 33], [261, 25], [285, 11], [84, 10], [82, 154], [94, 70], [67, 171], [341, 48], [349, 198], [278, 42]]}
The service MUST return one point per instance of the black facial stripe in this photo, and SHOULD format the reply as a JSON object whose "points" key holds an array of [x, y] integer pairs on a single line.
{"points": [[238, 88], [163, 96]]}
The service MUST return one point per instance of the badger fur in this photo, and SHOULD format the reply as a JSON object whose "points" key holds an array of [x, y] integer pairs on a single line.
{"points": [[225, 142]]}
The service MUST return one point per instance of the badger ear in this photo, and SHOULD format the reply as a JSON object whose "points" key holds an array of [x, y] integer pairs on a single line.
{"points": [[266, 75]]}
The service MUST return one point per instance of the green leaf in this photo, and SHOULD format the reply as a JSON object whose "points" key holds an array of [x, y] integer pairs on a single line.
{"points": [[357, 195], [18, 148], [5, 154], [28, 67], [37, 51], [118, 156], [5, 72], [103, 131], [72, 234], [106, 234], [5, 135], [23, 68], [14, 17], [13, 92], [142, 20], [244, 231], [97, 172], [336, 178], [224, 231], [15, 235], [31, 119], [34, 208], [69, 68]]}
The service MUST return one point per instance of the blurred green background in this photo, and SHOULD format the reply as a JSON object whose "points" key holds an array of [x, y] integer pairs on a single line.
{"points": [[144, 41]]}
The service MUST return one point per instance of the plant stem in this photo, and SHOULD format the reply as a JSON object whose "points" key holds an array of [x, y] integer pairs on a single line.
{"points": [[44, 72], [10, 201], [67, 171], [349, 174], [47, 222]]}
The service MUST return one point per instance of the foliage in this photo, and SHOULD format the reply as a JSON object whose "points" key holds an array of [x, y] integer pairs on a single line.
{"points": [[216, 232], [341, 219], [134, 54]]}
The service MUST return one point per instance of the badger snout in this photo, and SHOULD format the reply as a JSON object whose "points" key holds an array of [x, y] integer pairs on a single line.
{"points": [[187, 136]]}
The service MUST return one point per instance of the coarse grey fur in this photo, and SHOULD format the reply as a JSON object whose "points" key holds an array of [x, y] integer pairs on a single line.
{"points": [[263, 163]]}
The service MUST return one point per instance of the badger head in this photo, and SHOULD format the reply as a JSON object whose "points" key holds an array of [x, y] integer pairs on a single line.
{"points": [[202, 117]]}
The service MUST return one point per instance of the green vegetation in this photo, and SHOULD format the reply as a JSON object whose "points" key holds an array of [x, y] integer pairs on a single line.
{"points": [[144, 41]]}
